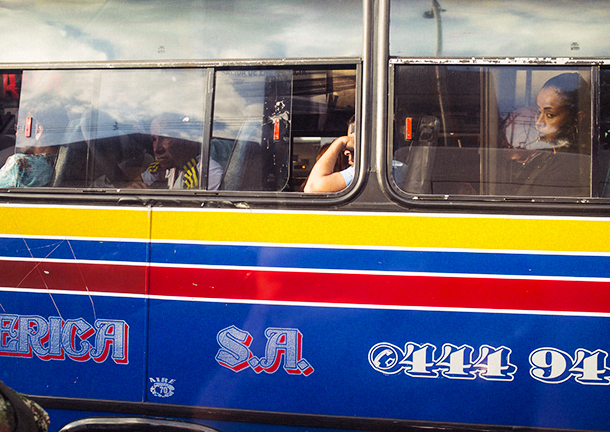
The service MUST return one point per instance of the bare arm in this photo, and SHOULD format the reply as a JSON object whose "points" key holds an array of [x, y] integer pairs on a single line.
{"points": [[322, 178]]}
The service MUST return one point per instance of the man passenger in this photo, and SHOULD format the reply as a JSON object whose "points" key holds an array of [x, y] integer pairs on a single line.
{"points": [[323, 177], [178, 161]]}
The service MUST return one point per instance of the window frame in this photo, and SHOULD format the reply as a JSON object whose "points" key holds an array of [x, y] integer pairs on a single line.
{"points": [[202, 197], [501, 203]]}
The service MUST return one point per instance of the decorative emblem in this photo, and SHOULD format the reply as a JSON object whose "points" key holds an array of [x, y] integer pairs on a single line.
{"points": [[162, 387]]}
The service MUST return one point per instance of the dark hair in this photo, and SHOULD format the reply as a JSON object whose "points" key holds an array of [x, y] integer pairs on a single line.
{"points": [[576, 93], [574, 90]]}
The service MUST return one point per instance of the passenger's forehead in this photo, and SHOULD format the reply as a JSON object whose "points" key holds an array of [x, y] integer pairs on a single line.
{"points": [[550, 97], [157, 127]]}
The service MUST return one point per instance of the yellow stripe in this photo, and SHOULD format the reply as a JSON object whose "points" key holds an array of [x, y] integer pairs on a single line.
{"points": [[75, 222], [424, 231], [352, 229]]}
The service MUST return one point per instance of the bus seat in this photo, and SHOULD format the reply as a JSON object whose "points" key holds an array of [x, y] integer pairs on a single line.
{"points": [[220, 150], [420, 158], [244, 168], [419, 164], [69, 166]]}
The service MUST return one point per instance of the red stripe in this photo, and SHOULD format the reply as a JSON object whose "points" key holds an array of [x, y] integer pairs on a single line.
{"points": [[425, 291], [73, 277]]}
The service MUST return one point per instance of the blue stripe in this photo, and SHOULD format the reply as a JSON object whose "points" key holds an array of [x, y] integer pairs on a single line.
{"points": [[73, 249], [312, 258], [383, 260]]}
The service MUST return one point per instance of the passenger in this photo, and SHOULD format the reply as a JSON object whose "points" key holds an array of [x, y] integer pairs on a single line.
{"points": [[562, 126], [323, 177], [341, 163], [33, 163], [178, 161], [563, 105]]}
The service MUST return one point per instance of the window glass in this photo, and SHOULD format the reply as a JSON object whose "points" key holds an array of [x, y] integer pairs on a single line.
{"points": [[531, 28], [269, 125], [515, 131], [110, 30], [109, 129], [9, 107], [602, 160], [153, 129], [324, 105], [251, 130]]}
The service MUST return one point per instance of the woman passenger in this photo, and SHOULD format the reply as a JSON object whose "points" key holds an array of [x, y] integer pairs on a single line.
{"points": [[564, 103], [34, 161], [556, 162]]}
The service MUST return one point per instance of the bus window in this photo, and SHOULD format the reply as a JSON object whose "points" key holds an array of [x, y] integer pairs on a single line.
{"points": [[511, 131], [324, 102], [97, 128], [252, 118], [269, 125], [152, 129]]}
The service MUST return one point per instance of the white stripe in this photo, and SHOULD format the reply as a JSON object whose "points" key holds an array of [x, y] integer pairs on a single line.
{"points": [[314, 270], [309, 246], [383, 307], [313, 304], [386, 214], [76, 293], [75, 261], [68, 238]]}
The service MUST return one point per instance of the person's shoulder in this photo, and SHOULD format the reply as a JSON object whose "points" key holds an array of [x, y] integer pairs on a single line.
{"points": [[10, 416], [348, 175], [8, 423]]}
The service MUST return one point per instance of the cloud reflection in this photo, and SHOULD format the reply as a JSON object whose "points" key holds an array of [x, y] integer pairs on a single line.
{"points": [[106, 103], [563, 28], [83, 30]]}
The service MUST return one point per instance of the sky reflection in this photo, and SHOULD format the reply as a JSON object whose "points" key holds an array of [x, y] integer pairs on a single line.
{"points": [[502, 28], [94, 30]]}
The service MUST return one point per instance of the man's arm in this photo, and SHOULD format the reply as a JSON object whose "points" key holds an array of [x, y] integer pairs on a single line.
{"points": [[322, 178]]}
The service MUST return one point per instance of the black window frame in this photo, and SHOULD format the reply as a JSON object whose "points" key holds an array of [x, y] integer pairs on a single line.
{"points": [[498, 203], [200, 196]]}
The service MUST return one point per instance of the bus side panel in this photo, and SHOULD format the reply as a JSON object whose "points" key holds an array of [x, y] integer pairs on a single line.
{"points": [[73, 301], [484, 320], [90, 347], [486, 368]]}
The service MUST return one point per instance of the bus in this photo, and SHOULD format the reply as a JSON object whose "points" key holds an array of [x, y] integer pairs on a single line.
{"points": [[163, 268]]}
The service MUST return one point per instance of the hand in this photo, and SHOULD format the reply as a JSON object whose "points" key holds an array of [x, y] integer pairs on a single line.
{"points": [[349, 149]]}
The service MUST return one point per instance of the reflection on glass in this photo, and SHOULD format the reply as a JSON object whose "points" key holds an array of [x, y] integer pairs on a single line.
{"points": [[493, 131], [499, 28], [270, 125], [111, 30], [125, 129], [98, 125], [602, 181], [251, 128]]}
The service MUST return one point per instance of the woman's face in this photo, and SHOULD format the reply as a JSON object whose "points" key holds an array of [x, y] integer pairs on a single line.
{"points": [[553, 115]]}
